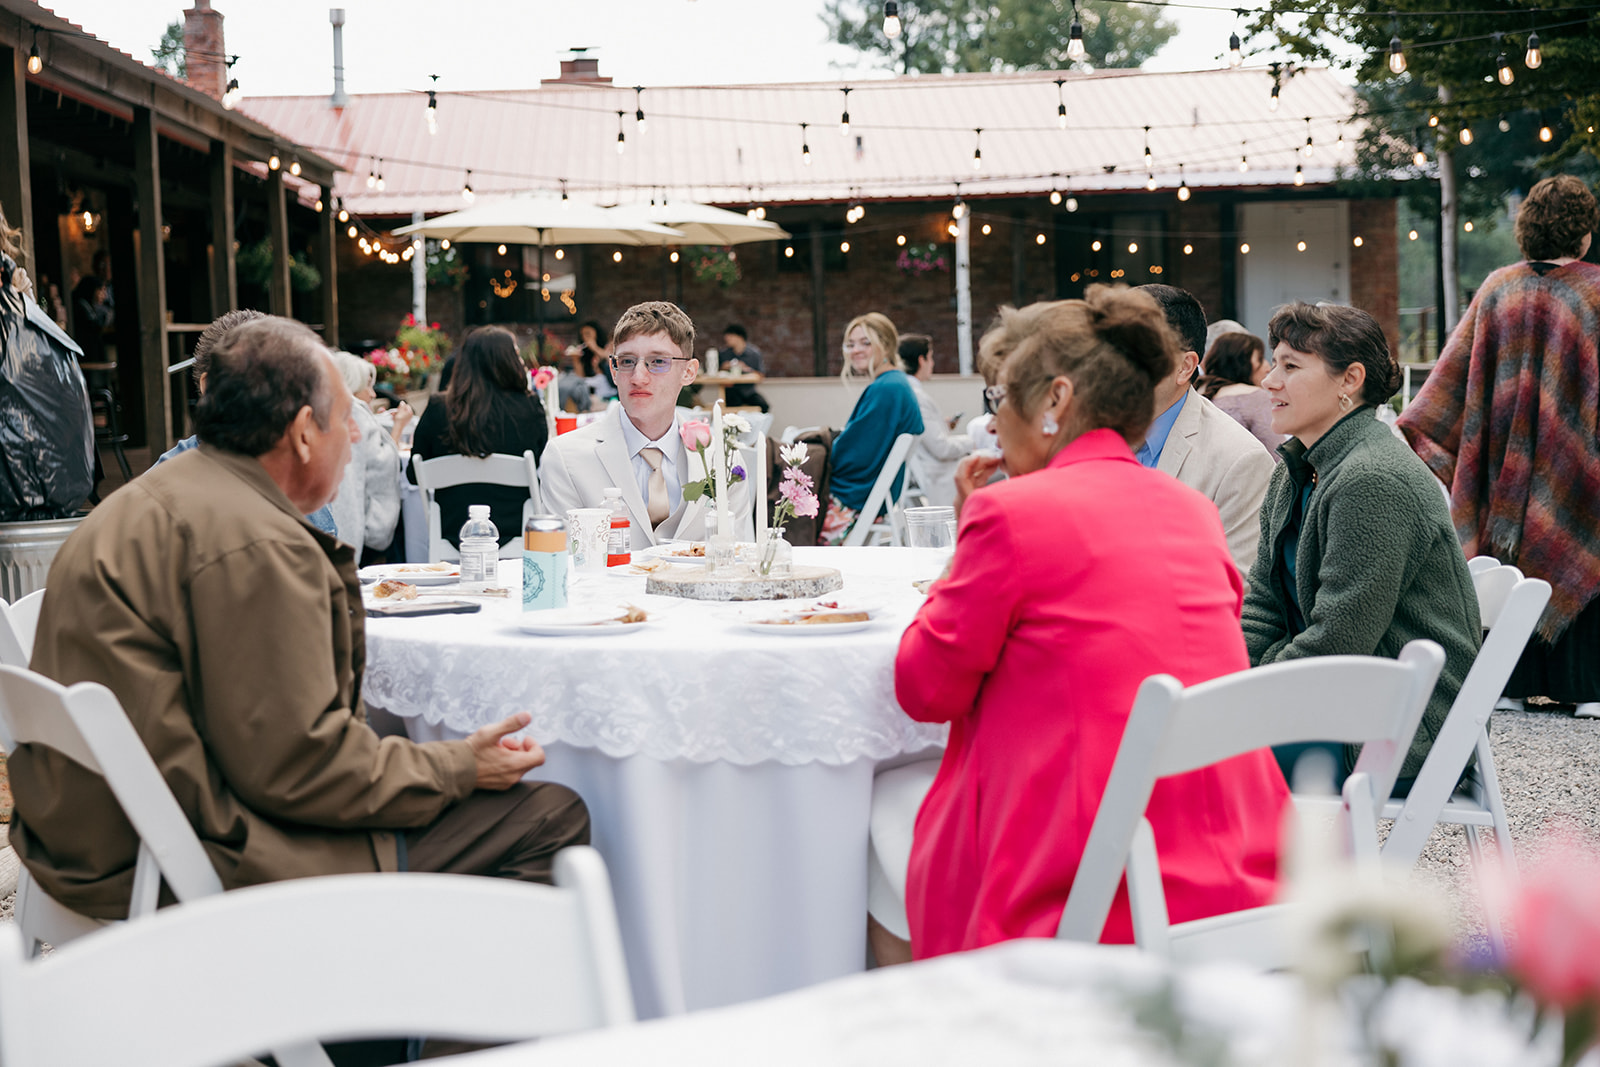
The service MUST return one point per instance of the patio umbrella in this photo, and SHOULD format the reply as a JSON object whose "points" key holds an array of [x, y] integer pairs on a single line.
{"points": [[702, 224]]}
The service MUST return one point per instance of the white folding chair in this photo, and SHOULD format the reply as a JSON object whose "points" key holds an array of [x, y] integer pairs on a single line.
{"points": [[18, 623], [483, 959], [791, 434], [1481, 563], [1363, 700], [87, 725], [867, 524], [442, 472]]}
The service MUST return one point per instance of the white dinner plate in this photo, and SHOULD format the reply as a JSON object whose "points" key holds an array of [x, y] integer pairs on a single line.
{"points": [[577, 622], [410, 572], [782, 629], [665, 551]]}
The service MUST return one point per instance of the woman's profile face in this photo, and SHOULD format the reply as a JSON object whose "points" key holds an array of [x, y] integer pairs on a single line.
{"points": [[859, 350], [1305, 397], [1024, 447], [366, 393]]}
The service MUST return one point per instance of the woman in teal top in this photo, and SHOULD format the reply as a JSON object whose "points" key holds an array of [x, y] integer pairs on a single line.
{"points": [[887, 409]]}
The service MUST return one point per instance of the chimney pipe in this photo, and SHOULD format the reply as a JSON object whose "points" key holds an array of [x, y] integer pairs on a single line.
{"points": [[339, 98]]}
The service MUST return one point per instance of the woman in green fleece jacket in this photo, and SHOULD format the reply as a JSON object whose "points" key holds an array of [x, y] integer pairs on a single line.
{"points": [[1358, 555]]}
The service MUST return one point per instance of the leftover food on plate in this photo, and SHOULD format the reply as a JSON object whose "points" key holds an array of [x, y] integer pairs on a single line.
{"points": [[632, 614], [816, 618], [697, 551], [391, 589], [424, 568], [647, 566]]}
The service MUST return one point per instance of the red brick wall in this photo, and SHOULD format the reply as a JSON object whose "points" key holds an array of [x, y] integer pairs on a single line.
{"points": [[203, 63], [1375, 266]]}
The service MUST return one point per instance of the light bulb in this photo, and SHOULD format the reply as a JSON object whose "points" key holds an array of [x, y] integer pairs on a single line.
{"points": [[1075, 41], [1433, 121], [317, 207], [1397, 57], [1503, 70], [1545, 133], [1299, 175], [1468, 226], [351, 232], [444, 246], [344, 216], [1244, 249], [844, 246], [1272, 102], [1357, 241], [372, 179], [616, 257], [1055, 196], [1133, 247], [380, 183], [230, 97], [1413, 235], [1183, 192], [788, 252], [1150, 182], [673, 256], [1533, 58], [1300, 246], [750, 213], [1235, 57], [1188, 250], [561, 253], [640, 121], [1038, 239], [1505, 124], [622, 143], [35, 64], [294, 167], [959, 211], [805, 154], [273, 162], [1420, 159], [891, 20], [1244, 164], [986, 230], [1095, 247], [1465, 135], [1072, 203], [1309, 149], [1061, 115], [977, 159], [900, 239], [467, 194]]}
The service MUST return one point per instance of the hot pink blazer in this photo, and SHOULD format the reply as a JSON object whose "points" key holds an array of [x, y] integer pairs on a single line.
{"points": [[1069, 587]]}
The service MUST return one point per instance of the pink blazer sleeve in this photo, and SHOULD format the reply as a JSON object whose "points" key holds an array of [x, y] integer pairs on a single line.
{"points": [[957, 637]]}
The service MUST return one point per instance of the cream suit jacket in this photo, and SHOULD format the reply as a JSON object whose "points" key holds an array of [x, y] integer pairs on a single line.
{"points": [[578, 467], [1207, 450]]}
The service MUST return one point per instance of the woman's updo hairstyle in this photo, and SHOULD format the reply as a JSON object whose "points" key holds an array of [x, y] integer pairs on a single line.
{"points": [[1114, 345], [1339, 336]]}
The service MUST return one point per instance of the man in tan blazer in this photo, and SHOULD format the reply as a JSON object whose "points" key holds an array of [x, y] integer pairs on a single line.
{"points": [[232, 632], [1201, 445], [638, 448]]}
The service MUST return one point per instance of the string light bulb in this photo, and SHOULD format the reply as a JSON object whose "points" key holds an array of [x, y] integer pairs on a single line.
{"points": [[977, 149], [959, 211], [622, 138], [351, 232], [1183, 184], [35, 63], [638, 109], [230, 95], [294, 166], [1433, 121], [1272, 102], [1150, 182], [1545, 133], [1148, 158], [1503, 72], [466, 189], [380, 175], [1310, 146], [566, 201], [844, 116], [1244, 158], [1075, 36], [1397, 56], [1072, 203], [1419, 158], [1235, 56], [372, 176], [344, 216], [805, 145], [1533, 58], [1061, 103], [1505, 124], [431, 112], [1299, 175], [891, 20], [273, 162], [1465, 136]]}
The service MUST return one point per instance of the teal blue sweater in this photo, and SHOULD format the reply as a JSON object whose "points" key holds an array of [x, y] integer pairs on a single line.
{"points": [[1378, 563], [887, 409]]}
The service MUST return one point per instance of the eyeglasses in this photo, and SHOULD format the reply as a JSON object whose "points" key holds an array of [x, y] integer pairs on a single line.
{"points": [[993, 397], [626, 365]]}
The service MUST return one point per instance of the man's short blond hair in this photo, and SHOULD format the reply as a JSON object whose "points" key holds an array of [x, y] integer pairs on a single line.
{"points": [[653, 317]]}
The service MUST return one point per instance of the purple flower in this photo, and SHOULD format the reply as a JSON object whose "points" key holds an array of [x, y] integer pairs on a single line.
{"points": [[738, 473]]}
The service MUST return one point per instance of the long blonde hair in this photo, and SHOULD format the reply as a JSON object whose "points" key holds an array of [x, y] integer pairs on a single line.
{"points": [[10, 239], [885, 342]]}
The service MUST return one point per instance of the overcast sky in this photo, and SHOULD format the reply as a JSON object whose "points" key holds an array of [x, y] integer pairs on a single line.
{"points": [[285, 46]]}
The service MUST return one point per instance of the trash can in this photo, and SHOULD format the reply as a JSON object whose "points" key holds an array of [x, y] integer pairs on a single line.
{"points": [[26, 550]]}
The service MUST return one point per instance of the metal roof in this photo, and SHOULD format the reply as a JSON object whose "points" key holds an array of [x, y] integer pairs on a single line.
{"points": [[909, 138]]}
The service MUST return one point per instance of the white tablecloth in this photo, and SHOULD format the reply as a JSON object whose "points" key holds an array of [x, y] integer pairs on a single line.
{"points": [[728, 773]]}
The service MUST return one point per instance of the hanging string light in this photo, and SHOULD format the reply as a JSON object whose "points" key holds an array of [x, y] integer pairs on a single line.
{"points": [[1055, 194], [1061, 104], [805, 145], [1072, 201], [1310, 145], [959, 211], [431, 112], [1244, 156], [1545, 132], [1465, 136], [1505, 124], [1150, 182], [622, 138], [1183, 184], [891, 19], [1277, 86], [273, 162], [638, 108], [1075, 36], [1433, 121], [230, 95], [1420, 157], [351, 232], [380, 174], [294, 165], [1149, 160], [1235, 56], [372, 175], [344, 215], [844, 116], [977, 149], [1502, 66], [566, 201], [1397, 55], [35, 64], [1533, 58], [1299, 175], [466, 189]]}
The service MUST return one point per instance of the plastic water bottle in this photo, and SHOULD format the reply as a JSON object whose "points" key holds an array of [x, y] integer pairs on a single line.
{"points": [[619, 549], [480, 550]]}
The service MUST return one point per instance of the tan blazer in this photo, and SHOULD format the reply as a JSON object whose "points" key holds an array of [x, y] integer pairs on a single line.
{"points": [[1207, 450], [232, 632], [578, 467]]}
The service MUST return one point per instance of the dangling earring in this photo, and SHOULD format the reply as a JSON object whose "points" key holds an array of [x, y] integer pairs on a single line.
{"points": [[1050, 427], [1344, 401]]}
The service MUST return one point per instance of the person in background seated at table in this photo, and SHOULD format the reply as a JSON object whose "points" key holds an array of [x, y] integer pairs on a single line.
{"points": [[1231, 379], [1357, 553], [594, 360], [638, 447], [886, 409], [1198, 444], [937, 452], [489, 409], [1073, 581], [233, 634], [737, 356], [367, 506]]}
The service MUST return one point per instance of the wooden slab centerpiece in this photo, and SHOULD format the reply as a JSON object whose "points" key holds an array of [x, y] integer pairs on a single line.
{"points": [[743, 583]]}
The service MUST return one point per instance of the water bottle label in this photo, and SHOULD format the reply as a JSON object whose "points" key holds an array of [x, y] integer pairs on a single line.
{"points": [[544, 580]]}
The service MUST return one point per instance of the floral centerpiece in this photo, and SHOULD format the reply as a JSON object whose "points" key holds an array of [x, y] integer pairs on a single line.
{"points": [[696, 436], [917, 260], [796, 496]]}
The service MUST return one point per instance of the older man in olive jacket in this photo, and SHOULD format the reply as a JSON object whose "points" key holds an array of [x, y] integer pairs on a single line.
{"points": [[232, 632]]}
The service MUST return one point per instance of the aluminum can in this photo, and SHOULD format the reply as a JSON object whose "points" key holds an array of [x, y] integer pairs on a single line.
{"points": [[544, 563]]}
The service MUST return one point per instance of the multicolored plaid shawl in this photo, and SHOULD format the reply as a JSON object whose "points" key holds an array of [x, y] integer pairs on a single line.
{"points": [[1510, 421]]}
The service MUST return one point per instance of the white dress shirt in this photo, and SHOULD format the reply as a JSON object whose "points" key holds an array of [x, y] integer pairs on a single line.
{"points": [[673, 455]]}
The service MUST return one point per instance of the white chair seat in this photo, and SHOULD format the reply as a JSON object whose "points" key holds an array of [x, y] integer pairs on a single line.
{"points": [[867, 528], [897, 796], [444, 472]]}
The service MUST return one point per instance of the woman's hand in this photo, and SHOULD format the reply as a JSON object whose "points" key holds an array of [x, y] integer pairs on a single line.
{"points": [[402, 415], [973, 474]]}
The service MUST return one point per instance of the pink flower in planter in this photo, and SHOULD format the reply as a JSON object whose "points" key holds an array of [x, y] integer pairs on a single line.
{"points": [[696, 435], [1557, 950]]}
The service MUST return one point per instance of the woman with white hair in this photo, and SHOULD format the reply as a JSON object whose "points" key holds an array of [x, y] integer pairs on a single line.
{"points": [[368, 505]]}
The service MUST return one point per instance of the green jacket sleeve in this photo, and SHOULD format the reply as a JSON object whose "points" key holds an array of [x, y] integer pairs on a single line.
{"points": [[1265, 628]]}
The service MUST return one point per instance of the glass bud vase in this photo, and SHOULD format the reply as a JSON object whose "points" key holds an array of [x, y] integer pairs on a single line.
{"points": [[777, 555], [721, 555]]}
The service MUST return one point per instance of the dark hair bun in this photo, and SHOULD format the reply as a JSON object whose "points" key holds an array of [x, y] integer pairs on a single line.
{"points": [[1133, 323]]}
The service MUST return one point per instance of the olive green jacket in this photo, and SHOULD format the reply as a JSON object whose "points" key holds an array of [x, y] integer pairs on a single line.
{"points": [[1378, 563]]}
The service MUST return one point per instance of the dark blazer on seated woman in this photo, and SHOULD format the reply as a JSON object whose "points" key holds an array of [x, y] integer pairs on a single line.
{"points": [[488, 409], [1056, 608]]}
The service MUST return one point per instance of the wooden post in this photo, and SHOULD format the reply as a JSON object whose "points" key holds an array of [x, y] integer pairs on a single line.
{"points": [[278, 290], [224, 276], [152, 285], [16, 190], [819, 308], [328, 264]]}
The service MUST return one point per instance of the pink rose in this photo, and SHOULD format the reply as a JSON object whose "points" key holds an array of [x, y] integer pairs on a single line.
{"points": [[696, 435], [543, 377], [1557, 950]]}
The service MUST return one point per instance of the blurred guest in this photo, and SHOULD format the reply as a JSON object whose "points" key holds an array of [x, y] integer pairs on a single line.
{"points": [[489, 409], [938, 450], [1217, 327], [739, 356], [886, 409], [91, 317], [1507, 420], [1231, 379], [1199, 445], [1357, 552], [594, 360], [367, 506], [1051, 616]]}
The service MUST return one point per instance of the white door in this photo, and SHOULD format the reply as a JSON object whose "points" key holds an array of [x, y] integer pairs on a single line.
{"points": [[1299, 250]]}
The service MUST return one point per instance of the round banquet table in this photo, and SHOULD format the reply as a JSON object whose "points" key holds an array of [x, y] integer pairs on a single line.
{"points": [[728, 773]]}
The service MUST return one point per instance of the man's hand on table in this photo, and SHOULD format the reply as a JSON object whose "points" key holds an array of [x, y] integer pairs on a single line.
{"points": [[502, 759]]}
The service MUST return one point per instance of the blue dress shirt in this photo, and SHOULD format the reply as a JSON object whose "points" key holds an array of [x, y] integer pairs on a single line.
{"points": [[1155, 439]]}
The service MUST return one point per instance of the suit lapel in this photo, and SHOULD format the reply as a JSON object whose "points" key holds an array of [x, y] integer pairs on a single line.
{"points": [[1181, 440], [612, 452], [689, 511]]}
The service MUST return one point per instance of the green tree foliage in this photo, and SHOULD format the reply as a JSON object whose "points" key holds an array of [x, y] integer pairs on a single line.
{"points": [[952, 36], [169, 54]]}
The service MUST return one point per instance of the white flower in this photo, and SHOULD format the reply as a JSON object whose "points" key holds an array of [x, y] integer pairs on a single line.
{"points": [[794, 454], [735, 423]]}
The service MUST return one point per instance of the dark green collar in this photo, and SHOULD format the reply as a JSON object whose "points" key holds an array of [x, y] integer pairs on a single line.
{"points": [[1305, 463]]}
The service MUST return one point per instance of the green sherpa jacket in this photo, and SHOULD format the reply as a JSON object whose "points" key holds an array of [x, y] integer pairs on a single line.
{"points": [[1378, 563]]}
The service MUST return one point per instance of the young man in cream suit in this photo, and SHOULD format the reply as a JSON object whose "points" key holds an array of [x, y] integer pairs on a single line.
{"points": [[1200, 444], [638, 447]]}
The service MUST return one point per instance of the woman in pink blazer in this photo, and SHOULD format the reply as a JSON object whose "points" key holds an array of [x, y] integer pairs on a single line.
{"points": [[1072, 582]]}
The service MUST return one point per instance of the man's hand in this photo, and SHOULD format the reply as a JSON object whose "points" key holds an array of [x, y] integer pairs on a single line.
{"points": [[973, 474], [502, 759]]}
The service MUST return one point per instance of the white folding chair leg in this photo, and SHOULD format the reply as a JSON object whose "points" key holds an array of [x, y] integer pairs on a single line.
{"points": [[1359, 809], [1491, 914], [1496, 805], [1146, 899]]}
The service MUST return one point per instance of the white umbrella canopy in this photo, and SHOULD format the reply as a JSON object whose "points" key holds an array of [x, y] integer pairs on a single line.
{"points": [[702, 224], [545, 221]]}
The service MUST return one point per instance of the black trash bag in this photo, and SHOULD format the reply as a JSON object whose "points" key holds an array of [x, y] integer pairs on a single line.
{"points": [[46, 431]]}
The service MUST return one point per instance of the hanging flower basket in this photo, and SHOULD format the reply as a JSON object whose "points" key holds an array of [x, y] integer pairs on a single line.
{"points": [[710, 264], [917, 260]]}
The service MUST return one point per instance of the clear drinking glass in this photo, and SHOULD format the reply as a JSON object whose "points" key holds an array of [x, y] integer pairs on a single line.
{"points": [[931, 527]]}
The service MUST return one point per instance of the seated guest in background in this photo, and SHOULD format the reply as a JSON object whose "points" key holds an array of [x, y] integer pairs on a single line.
{"points": [[738, 356], [886, 409], [232, 633], [367, 506], [1522, 462], [1357, 552], [1051, 616], [937, 451], [1199, 445], [638, 447], [1231, 379], [594, 360], [488, 409]]}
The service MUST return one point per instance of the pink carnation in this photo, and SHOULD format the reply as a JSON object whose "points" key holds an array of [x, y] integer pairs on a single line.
{"points": [[543, 377], [799, 496], [696, 434]]}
